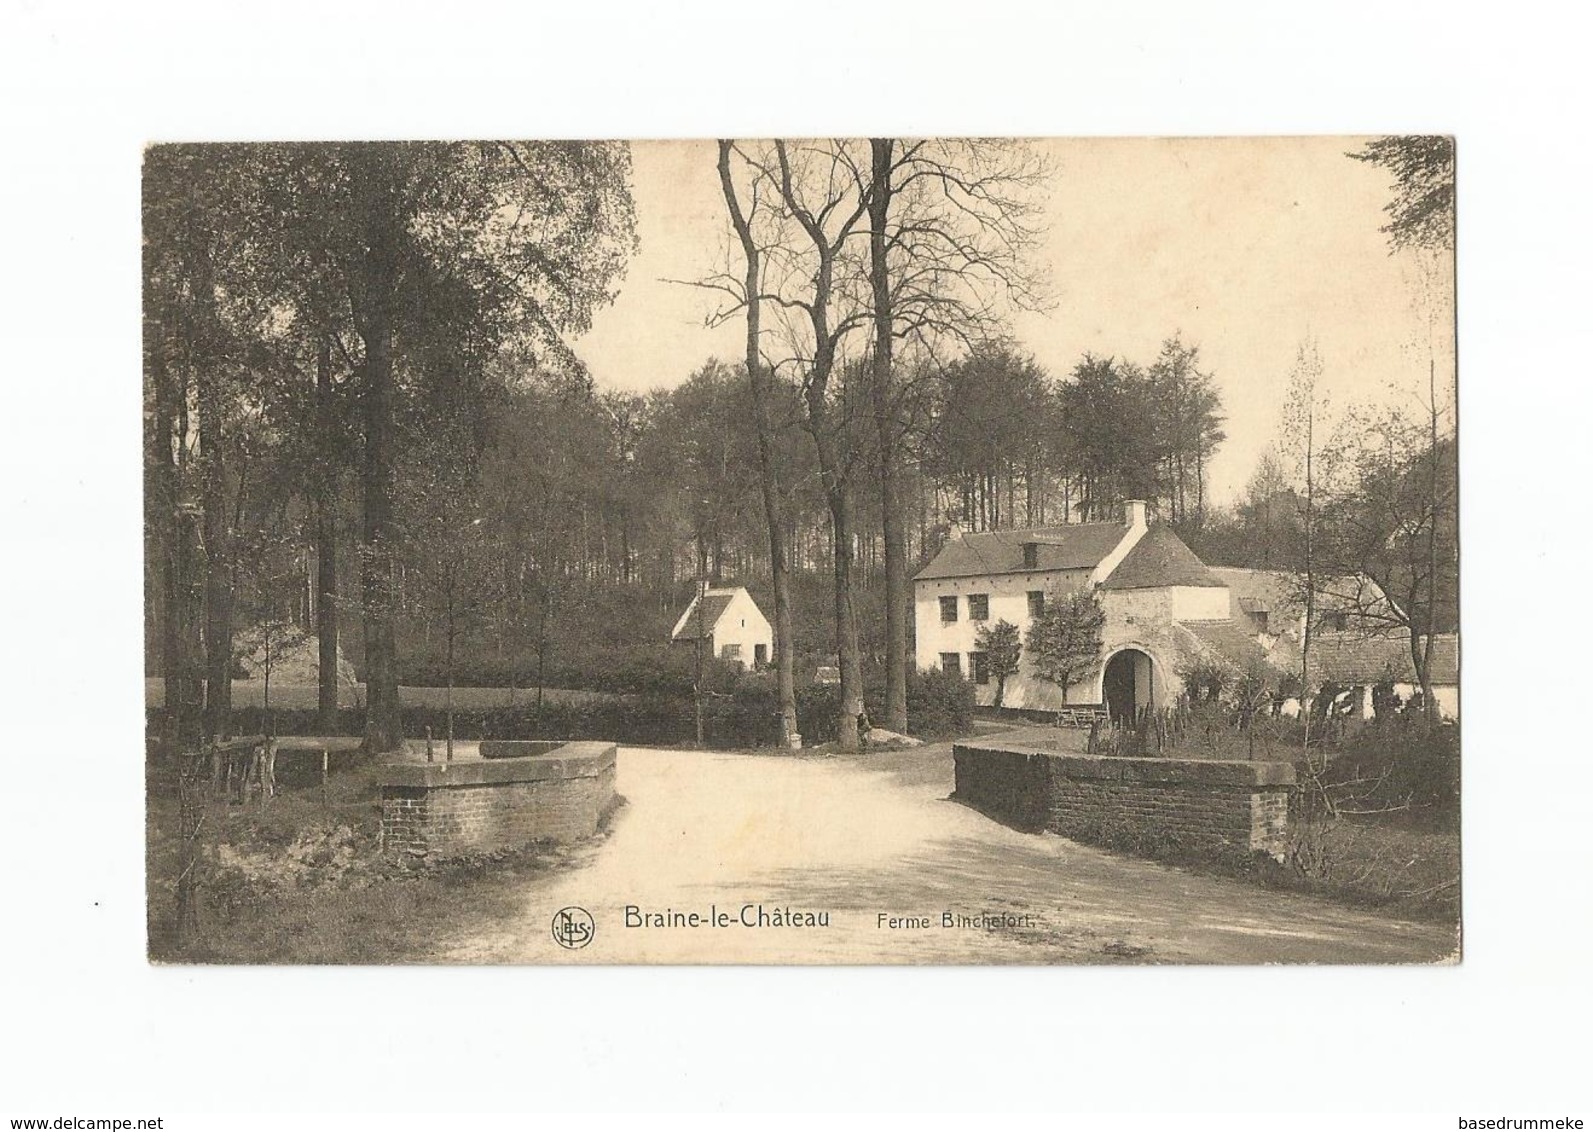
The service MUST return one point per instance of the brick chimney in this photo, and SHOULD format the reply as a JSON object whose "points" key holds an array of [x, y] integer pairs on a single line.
{"points": [[1134, 513]]}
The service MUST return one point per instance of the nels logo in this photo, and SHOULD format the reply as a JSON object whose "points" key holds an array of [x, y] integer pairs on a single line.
{"points": [[573, 928]]}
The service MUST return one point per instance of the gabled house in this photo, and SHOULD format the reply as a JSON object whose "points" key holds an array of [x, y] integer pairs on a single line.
{"points": [[730, 624], [1166, 612], [1147, 578]]}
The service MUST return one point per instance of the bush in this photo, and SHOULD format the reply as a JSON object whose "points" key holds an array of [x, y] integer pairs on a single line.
{"points": [[1397, 762], [939, 705], [644, 670]]}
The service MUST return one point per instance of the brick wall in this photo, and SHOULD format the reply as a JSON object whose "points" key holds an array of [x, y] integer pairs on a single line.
{"points": [[440, 809], [1157, 807]]}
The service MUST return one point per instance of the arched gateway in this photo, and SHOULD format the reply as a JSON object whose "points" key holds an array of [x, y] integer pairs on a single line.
{"points": [[1128, 684]]}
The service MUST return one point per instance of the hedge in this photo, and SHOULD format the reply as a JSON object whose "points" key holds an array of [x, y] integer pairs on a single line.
{"points": [[744, 716]]}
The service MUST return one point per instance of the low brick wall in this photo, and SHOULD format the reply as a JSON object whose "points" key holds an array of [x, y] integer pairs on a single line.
{"points": [[561, 792], [1160, 807]]}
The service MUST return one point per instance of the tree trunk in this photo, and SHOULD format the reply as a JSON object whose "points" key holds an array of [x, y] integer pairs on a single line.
{"points": [[886, 426], [326, 548], [218, 568], [847, 648], [759, 382], [383, 731], [217, 531], [177, 552]]}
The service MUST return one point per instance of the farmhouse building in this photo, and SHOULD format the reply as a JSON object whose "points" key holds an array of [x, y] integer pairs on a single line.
{"points": [[730, 624], [1167, 614]]}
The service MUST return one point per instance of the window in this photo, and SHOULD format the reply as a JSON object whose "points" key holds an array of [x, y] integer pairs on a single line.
{"points": [[948, 609], [978, 607], [1036, 602], [1031, 556], [1258, 620], [951, 662], [981, 670], [730, 652], [1338, 622]]}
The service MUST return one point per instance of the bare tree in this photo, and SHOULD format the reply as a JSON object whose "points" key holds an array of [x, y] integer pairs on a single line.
{"points": [[950, 229], [759, 381], [818, 285]]}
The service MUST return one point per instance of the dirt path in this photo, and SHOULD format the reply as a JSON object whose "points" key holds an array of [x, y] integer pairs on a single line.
{"points": [[865, 842]]}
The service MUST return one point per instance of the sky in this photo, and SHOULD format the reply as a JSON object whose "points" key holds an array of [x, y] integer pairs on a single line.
{"points": [[1244, 246]]}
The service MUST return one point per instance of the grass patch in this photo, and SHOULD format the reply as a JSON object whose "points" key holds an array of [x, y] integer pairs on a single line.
{"points": [[1389, 862], [303, 882]]}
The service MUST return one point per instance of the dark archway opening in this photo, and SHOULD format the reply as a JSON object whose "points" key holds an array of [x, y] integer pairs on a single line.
{"points": [[1126, 685]]}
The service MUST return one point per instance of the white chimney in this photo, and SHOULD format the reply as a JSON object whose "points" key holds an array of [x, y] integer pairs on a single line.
{"points": [[1134, 513]]}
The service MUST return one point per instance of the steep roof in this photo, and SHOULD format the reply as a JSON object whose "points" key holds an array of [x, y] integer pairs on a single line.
{"points": [[1072, 546], [1360, 658], [1160, 559], [713, 608]]}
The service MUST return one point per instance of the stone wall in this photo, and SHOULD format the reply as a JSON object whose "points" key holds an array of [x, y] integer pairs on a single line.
{"points": [[558, 792], [1157, 807]]}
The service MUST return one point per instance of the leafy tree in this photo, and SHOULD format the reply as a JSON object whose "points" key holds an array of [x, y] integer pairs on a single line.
{"points": [[1422, 211], [1188, 421], [990, 420], [1064, 639], [446, 252], [1109, 419], [1002, 646]]}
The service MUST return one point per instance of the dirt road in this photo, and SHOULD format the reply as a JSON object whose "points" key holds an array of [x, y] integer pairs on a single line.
{"points": [[864, 860]]}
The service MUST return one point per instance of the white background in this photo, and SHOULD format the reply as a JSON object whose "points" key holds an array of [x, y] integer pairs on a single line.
{"points": [[88, 1028]]}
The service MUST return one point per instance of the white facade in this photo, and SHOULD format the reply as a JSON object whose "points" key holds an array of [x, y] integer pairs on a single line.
{"points": [[1137, 624], [740, 632], [1007, 599]]}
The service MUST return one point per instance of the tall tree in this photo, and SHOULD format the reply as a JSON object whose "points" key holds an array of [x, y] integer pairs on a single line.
{"points": [[451, 250], [1303, 413], [1391, 523], [819, 187], [949, 235], [758, 381], [1188, 423]]}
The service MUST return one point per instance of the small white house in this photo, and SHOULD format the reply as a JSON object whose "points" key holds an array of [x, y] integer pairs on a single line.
{"points": [[730, 624]]}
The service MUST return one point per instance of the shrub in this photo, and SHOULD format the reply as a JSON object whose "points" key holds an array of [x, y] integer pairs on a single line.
{"points": [[939, 704], [739, 710], [645, 670]]}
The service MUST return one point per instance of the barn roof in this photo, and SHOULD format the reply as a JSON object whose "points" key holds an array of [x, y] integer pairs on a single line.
{"points": [[1160, 559], [1352, 658], [1229, 640], [1072, 546]]}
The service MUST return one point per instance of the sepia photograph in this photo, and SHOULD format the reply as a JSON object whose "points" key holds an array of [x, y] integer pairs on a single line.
{"points": [[890, 550]]}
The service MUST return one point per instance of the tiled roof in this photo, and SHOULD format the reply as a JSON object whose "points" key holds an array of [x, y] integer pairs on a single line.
{"points": [[714, 606], [1232, 641], [1160, 559], [1358, 658], [1073, 546]]}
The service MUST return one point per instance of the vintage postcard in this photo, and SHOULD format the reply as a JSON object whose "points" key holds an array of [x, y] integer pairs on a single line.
{"points": [[846, 551]]}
